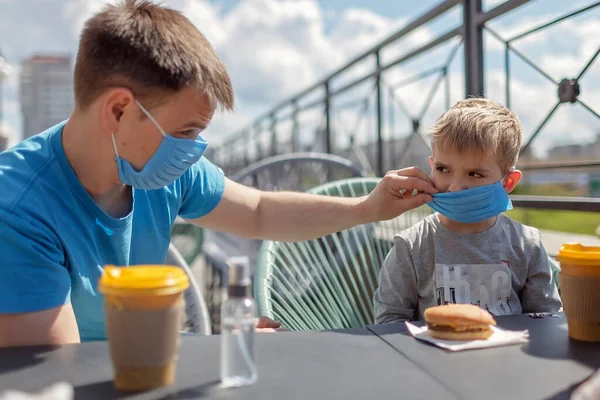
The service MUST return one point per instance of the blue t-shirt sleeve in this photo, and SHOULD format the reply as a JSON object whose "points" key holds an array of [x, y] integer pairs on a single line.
{"points": [[202, 188], [33, 275]]}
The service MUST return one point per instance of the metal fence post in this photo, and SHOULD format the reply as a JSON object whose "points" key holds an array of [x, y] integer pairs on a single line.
{"points": [[473, 39], [380, 170], [328, 146], [273, 135], [295, 130]]}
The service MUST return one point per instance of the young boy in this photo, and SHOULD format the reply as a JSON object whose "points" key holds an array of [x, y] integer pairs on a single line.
{"points": [[469, 252]]}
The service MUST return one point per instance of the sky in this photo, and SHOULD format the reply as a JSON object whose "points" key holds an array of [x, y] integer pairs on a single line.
{"points": [[275, 48]]}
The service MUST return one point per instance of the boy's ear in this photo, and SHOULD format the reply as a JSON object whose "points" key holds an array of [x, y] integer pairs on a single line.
{"points": [[511, 180], [431, 162]]}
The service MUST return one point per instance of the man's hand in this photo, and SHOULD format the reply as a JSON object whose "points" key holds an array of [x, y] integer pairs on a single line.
{"points": [[264, 324], [394, 194]]}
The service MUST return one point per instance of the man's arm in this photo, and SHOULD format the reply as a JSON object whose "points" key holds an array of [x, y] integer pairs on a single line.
{"points": [[35, 285], [540, 293], [287, 216], [396, 299], [56, 326]]}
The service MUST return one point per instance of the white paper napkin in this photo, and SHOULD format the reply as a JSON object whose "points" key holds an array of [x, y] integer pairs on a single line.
{"points": [[499, 338], [56, 391]]}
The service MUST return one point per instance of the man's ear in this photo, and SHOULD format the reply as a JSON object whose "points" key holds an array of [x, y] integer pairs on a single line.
{"points": [[112, 107], [511, 180]]}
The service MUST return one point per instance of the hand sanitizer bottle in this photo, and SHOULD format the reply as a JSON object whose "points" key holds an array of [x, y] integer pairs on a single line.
{"points": [[238, 316]]}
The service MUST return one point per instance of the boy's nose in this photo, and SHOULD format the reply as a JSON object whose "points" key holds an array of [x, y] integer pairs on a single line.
{"points": [[456, 187]]}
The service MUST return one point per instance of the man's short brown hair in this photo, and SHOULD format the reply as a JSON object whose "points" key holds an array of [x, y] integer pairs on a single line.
{"points": [[152, 50], [480, 125]]}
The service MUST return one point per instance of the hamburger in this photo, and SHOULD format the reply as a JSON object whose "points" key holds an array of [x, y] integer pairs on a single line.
{"points": [[459, 322]]}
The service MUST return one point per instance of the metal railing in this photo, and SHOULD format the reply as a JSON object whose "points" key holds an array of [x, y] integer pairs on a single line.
{"points": [[557, 203], [380, 102], [568, 88], [266, 136]]}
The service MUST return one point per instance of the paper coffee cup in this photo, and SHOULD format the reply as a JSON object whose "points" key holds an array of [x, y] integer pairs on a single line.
{"points": [[144, 312], [580, 290]]}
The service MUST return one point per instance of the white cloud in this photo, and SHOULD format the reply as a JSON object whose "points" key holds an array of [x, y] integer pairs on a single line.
{"points": [[274, 48], [586, 36], [78, 11], [363, 26], [509, 30], [493, 3], [206, 17]]}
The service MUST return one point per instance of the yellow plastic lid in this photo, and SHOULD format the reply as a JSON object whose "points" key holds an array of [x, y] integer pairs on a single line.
{"points": [[576, 253], [143, 280]]}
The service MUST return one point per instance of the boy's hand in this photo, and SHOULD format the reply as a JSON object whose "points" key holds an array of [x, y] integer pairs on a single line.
{"points": [[394, 194]]}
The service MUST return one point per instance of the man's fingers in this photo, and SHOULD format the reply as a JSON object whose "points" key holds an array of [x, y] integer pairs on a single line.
{"points": [[409, 183], [416, 201], [271, 330], [419, 174], [265, 322], [416, 172], [265, 330]]}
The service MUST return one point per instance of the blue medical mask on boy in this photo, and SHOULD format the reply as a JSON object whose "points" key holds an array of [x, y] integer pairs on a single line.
{"points": [[472, 205], [173, 157]]}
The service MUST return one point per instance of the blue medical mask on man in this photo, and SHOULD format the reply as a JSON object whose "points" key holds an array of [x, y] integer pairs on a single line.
{"points": [[472, 205], [173, 157]]}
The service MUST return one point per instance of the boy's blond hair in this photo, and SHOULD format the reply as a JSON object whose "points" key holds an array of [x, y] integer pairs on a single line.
{"points": [[480, 125]]}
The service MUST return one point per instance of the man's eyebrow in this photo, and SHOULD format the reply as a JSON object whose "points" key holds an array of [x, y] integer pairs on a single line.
{"points": [[195, 124]]}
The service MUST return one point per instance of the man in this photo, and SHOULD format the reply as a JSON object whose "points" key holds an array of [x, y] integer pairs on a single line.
{"points": [[106, 186]]}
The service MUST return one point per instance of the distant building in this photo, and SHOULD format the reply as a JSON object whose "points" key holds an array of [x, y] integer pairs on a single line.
{"points": [[583, 182], [46, 92], [4, 134], [3, 140], [586, 151]]}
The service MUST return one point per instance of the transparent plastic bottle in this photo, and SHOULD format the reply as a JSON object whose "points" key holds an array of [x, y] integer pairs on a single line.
{"points": [[238, 315]]}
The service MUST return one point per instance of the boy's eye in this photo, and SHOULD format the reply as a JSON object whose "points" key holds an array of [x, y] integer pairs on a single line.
{"points": [[442, 169], [476, 175]]}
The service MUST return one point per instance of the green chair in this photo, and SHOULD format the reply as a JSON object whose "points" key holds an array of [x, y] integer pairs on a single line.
{"points": [[328, 283], [188, 239], [555, 268]]}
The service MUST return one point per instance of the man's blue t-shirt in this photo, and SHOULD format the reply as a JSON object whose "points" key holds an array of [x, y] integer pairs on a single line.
{"points": [[55, 240]]}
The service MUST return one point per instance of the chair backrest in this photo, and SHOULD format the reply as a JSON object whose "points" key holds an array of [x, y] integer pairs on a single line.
{"points": [[328, 283], [188, 239], [555, 268], [297, 171], [197, 317], [292, 172]]}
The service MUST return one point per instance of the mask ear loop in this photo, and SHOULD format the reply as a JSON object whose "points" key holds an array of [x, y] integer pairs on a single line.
{"points": [[151, 118], [115, 144]]}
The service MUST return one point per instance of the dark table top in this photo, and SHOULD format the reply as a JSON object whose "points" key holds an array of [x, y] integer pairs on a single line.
{"points": [[353, 364], [550, 366]]}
